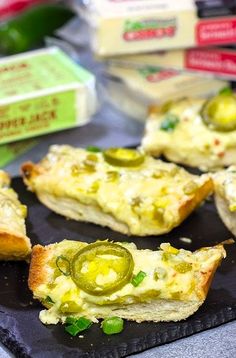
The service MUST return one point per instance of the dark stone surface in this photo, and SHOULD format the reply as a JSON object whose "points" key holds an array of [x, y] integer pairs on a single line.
{"points": [[23, 333]]}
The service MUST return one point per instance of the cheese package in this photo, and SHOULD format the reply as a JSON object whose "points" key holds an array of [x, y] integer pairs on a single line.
{"points": [[11, 151], [120, 188], [43, 91], [133, 90], [14, 243], [217, 62], [105, 279], [195, 132], [133, 26]]}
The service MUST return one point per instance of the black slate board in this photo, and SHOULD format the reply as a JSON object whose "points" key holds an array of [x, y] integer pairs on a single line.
{"points": [[23, 333]]}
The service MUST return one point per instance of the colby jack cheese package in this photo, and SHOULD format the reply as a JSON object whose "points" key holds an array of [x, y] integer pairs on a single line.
{"points": [[220, 62], [133, 26], [135, 89], [41, 92]]}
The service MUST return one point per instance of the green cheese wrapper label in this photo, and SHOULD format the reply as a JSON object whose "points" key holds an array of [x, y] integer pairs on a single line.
{"points": [[43, 115], [10, 151]]}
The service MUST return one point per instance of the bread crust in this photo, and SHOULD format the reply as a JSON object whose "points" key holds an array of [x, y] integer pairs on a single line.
{"points": [[155, 310], [37, 271], [38, 180]]}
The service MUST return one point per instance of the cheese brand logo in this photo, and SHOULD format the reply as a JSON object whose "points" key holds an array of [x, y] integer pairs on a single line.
{"points": [[155, 74], [149, 29]]}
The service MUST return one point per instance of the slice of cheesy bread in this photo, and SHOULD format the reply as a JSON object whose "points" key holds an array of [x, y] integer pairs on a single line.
{"points": [[225, 196], [14, 244], [181, 135], [104, 279], [149, 198]]}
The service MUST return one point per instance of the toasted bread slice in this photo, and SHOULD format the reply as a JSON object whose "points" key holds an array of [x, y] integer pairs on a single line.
{"points": [[181, 135], [225, 196], [149, 199], [174, 286], [14, 244]]}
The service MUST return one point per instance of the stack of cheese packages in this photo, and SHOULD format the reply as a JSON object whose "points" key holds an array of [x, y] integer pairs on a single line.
{"points": [[132, 35]]}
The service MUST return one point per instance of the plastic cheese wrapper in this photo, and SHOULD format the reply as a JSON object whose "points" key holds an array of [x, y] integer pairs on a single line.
{"points": [[132, 26], [134, 90], [10, 151], [43, 91], [217, 62]]}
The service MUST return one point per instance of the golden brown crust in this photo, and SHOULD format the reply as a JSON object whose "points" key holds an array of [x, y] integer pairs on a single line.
{"points": [[14, 247], [37, 271], [189, 205], [29, 170]]}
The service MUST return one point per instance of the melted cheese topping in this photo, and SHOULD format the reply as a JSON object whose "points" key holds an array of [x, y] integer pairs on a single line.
{"points": [[191, 142], [164, 280], [145, 197]]}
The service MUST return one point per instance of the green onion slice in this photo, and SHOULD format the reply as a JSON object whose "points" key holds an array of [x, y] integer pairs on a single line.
{"points": [[63, 265], [137, 279], [169, 123], [77, 325], [112, 325]]}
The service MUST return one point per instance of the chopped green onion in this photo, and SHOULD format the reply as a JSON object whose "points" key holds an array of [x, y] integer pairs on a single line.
{"points": [[137, 279], [49, 300], [226, 90], [169, 123], [71, 320], [77, 325], [63, 265], [93, 149], [112, 325]]}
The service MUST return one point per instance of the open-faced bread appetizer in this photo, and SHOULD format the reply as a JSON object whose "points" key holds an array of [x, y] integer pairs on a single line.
{"points": [[195, 132], [120, 188], [14, 244], [105, 279], [225, 196]]}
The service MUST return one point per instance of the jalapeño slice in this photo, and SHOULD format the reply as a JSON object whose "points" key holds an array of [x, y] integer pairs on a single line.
{"points": [[102, 268], [123, 157], [219, 113]]}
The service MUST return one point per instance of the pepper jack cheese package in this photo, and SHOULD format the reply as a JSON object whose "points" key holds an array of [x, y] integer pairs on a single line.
{"points": [[10, 151], [14, 244], [133, 26], [43, 91], [123, 189], [133, 90], [105, 279], [219, 62], [195, 132]]}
